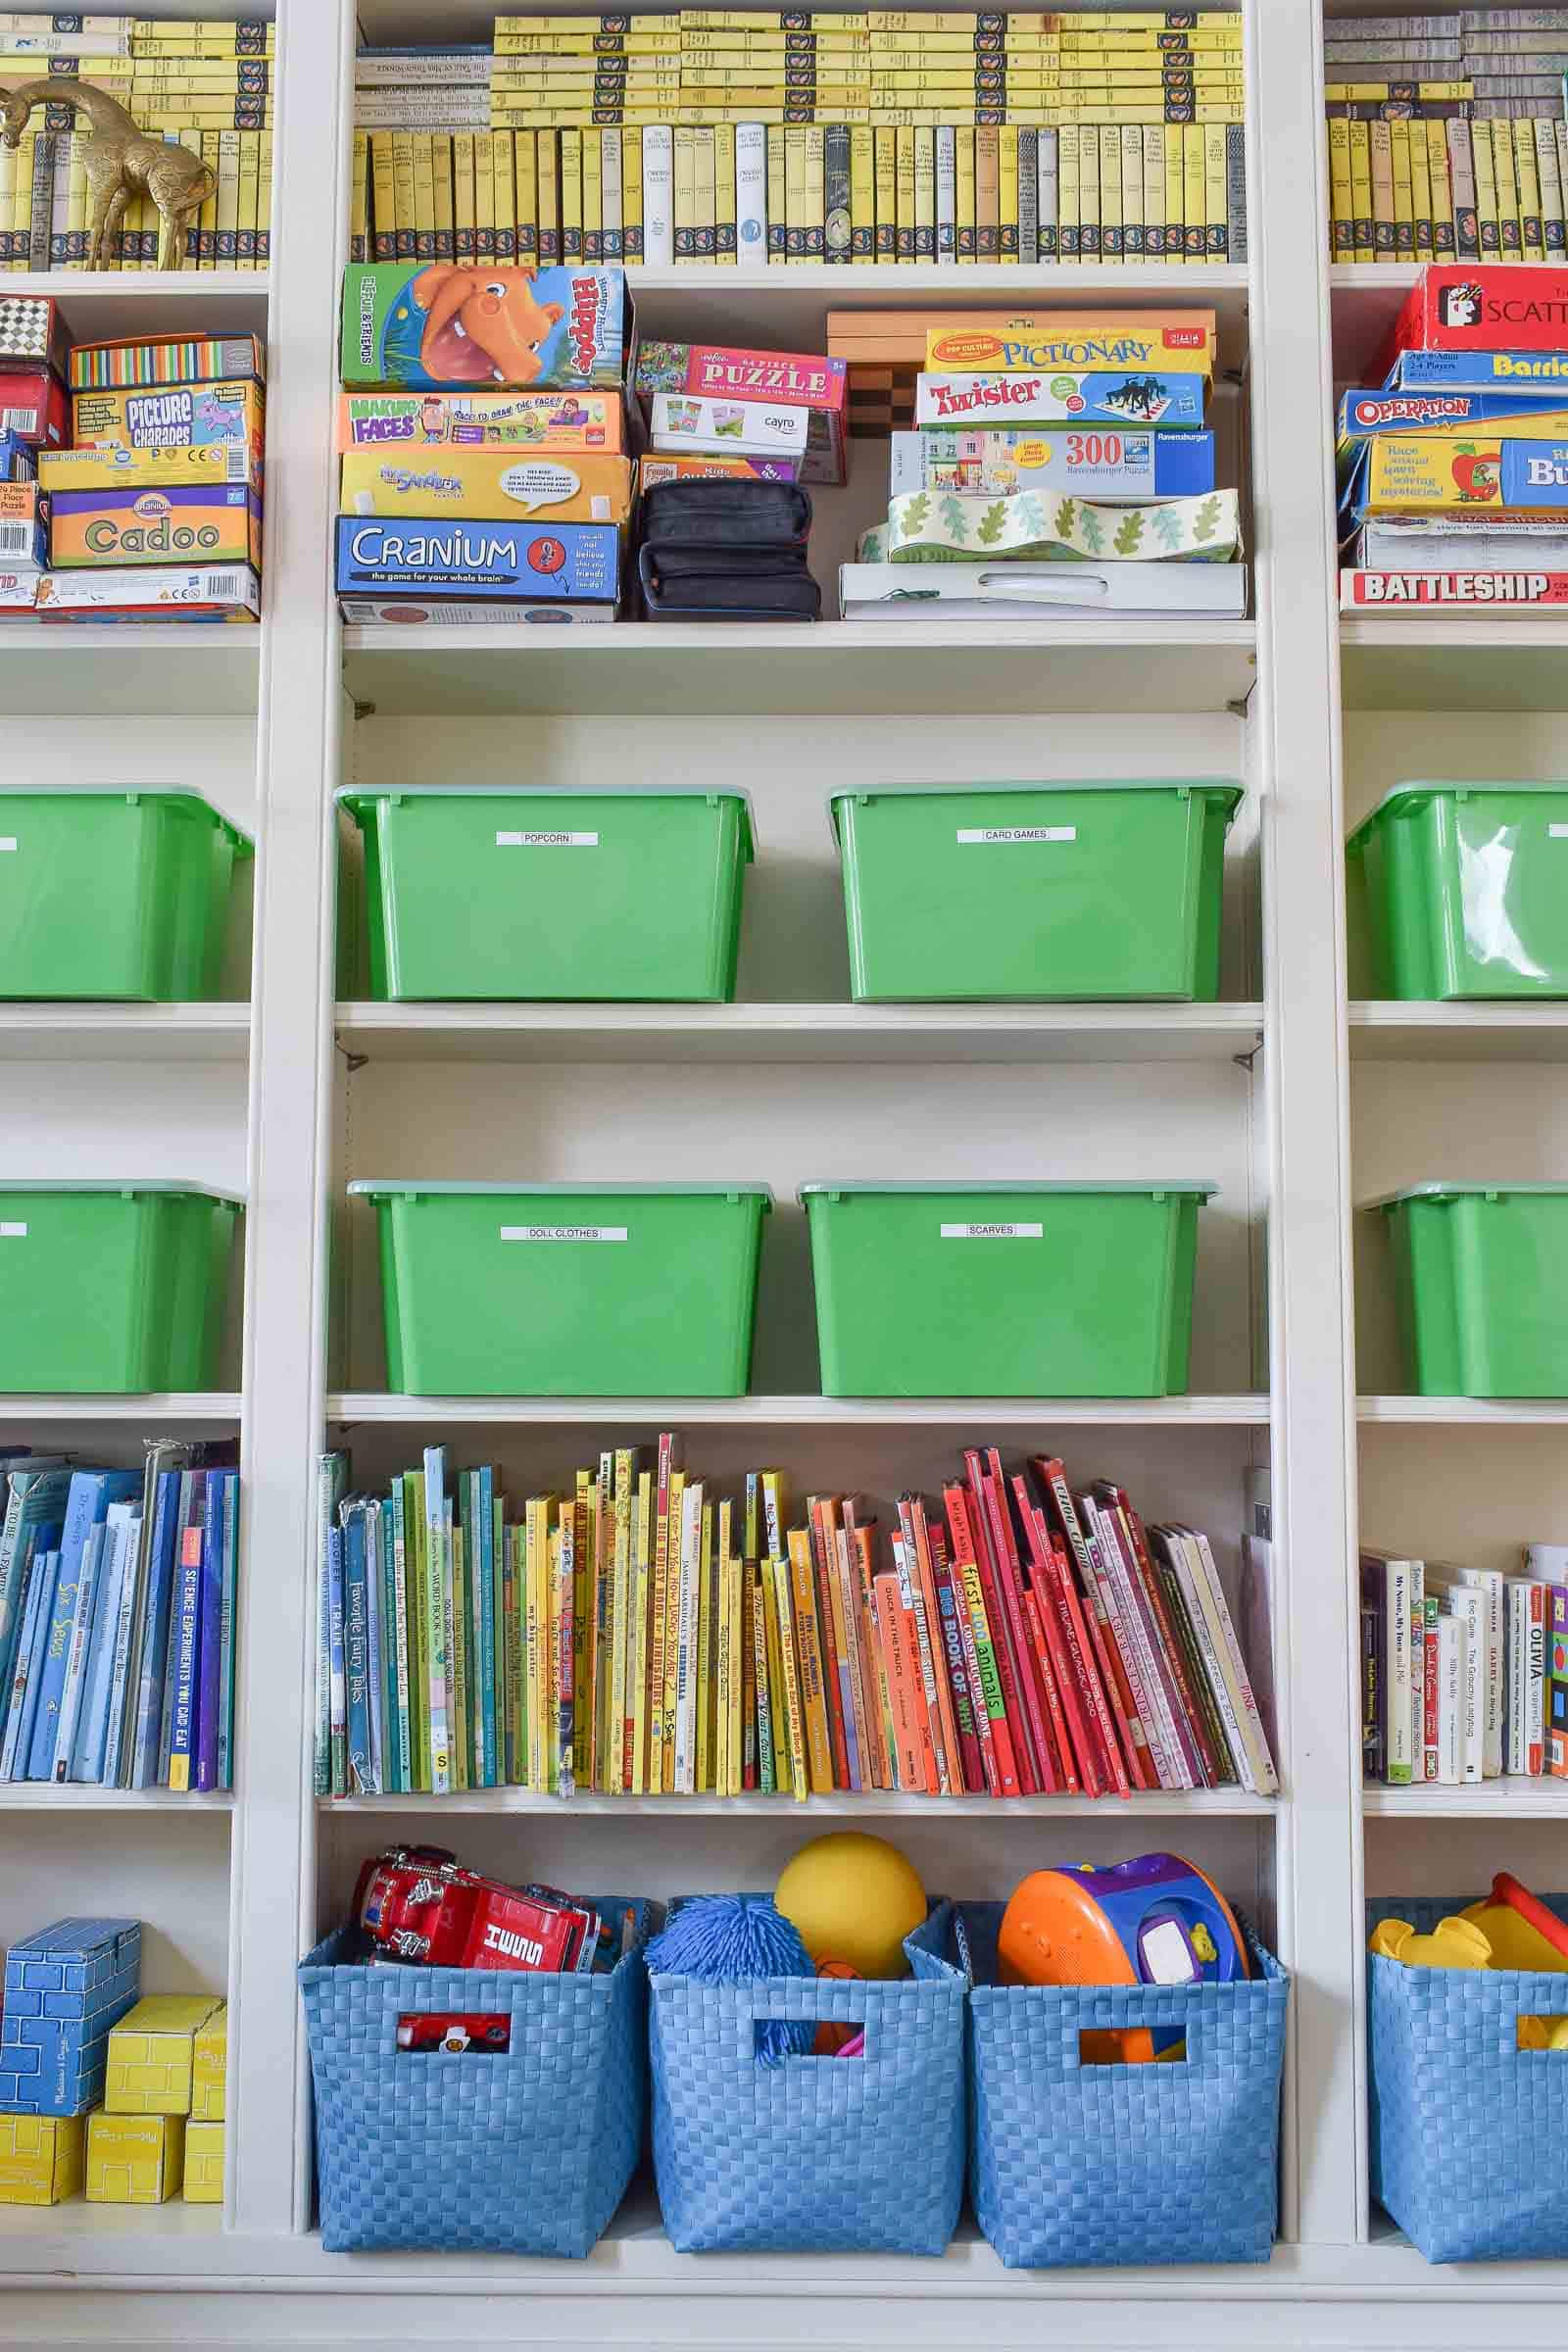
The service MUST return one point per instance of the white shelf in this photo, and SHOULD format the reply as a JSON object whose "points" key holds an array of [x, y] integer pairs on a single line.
{"points": [[1451, 661], [168, 1409], [52, 1033], [844, 1805], [101, 304], [833, 669], [800, 1412], [1493, 1801], [786, 1032], [131, 669], [43, 1796], [1468, 1032], [1465, 1413]]}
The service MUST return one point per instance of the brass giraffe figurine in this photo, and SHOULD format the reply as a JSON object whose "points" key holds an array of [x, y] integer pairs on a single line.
{"points": [[122, 161]]}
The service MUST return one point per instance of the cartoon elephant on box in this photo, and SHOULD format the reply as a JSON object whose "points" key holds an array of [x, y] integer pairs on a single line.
{"points": [[483, 326]]}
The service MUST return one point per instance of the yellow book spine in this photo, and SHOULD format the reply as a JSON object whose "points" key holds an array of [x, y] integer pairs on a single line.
{"points": [[1342, 214], [503, 175], [705, 198], [884, 165], [536, 1635], [424, 146], [1404, 204], [685, 193], [1549, 175], [1088, 237], [583, 1592], [777, 194], [263, 200], [703, 1744], [815, 193], [547, 186], [441, 197], [987, 191], [1006, 193], [1509, 230], [1420, 192], [8, 205], [383, 230], [250, 191], [726, 237], [863, 195], [794, 193], [1442, 178], [1069, 193], [1383, 229], [677, 1490], [1361, 190], [723, 1686], [777, 1708], [737, 1676], [464, 217], [73, 254], [572, 197], [794, 1712], [659, 1646], [1111, 248], [631, 194], [1527, 176], [22, 219], [359, 199], [1214, 191], [403, 194], [965, 244], [1175, 246], [1488, 228], [904, 195], [593, 198], [484, 198], [228, 199], [642, 1582], [1134, 200], [1194, 195], [621, 1630], [810, 1663]]}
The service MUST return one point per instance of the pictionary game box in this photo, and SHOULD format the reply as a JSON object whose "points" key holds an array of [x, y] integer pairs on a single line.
{"points": [[569, 565], [446, 328], [1008, 349]]}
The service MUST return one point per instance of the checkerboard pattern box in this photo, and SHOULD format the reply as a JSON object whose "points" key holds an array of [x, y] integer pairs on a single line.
{"points": [[152, 2055], [31, 327], [66, 1989], [40, 2158], [204, 2164], [210, 2072], [134, 2159]]}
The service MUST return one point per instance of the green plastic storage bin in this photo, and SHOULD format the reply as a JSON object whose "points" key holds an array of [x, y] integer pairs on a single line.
{"points": [[1480, 1283], [1035, 889], [512, 893], [568, 1290], [110, 1289], [114, 894], [1004, 1290], [1467, 890]]}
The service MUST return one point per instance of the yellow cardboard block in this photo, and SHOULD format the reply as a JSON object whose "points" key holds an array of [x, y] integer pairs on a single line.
{"points": [[40, 2158], [209, 2073], [152, 2054], [134, 2159], [204, 2164]]}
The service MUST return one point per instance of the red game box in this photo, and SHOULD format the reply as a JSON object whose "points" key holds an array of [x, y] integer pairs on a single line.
{"points": [[1466, 306], [35, 405], [800, 379]]}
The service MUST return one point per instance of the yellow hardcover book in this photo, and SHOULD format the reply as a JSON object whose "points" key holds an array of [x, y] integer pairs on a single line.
{"points": [[250, 187], [1421, 191], [535, 1569], [383, 199], [1548, 177], [547, 152], [422, 145], [1154, 146], [863, 195], [631, 195], [777, 195], [465, 217], [1509, 238], [1361, 191], [1088, 225], [705, 198], [702, 1744], [8, 204], [1527, 175], [582, 1614], [1194, 195], [737, 1677], [1175, 192], [1069, 224], [1488, 231], [264, 201], [593, 198], [685, 193], [777, 1709], [964, 236], [442, 176], [988, 192], [659, 1632], [572, 197], [677, 1490], [793, 194], [1216, 192], [1443, 244], [809, 1657], [1006, 193], [904, 195], [21, 216], [1111, 247], [1134, 203], [726, 238], [1403, 201], [75, 247], [885, 158], [403, 194], [526, 199], [503, 172], [1342, 214], [359, 205], [790, 1677], [723, 1686], [622, 1643], [191, 141], [228, 198], [638, 1663], [484, 197], [816, 194]]}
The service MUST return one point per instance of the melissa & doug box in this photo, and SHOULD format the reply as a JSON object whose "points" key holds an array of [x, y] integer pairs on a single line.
{"points": [[544, 421], [40, 2158], [449, 328], [182, 523], [791, 380], [172, 417], [1067, 396], [487, 483], [66, 1989], [573, 568]]}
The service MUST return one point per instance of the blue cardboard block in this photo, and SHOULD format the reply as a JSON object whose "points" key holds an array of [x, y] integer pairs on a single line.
{"points": [[66, 1989], [502, 562]]}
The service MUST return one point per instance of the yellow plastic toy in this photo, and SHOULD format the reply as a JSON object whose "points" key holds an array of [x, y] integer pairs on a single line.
{"points": [[853, 1898], [1452, 1944], [1522, 1931]]}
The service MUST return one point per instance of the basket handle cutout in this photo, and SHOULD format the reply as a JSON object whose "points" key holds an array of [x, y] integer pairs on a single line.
{"points": [[767, 2052], [1132, 2045], [453, 2034], [1545, 2034]]}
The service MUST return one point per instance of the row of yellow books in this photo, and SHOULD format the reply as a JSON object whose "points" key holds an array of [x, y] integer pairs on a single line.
{"points": [[1449, 190], [43, 205], [666, 194]]}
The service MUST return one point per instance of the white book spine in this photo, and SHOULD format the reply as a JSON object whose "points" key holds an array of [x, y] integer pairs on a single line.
{"points": [[1046, 174], [1396, 1607], [1266, 1779], [658, 185], [751, 194], [1470, 1606], [947, 194], [611, 205], [1490, 1584], [1182, 1553], [1453, 1665], [1148, 1690], [120, 1673]]}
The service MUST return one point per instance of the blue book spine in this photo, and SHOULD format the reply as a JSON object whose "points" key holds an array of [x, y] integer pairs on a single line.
{"points": [[84, 1634], [117, 1659], [485, 1482], [227, 1627], [391, 1763], [86, 1486], [356, 1650], [155, 1633], [206, 1642], [334, 1660], [185, 1641], [37, 1601], [374, 1662]]}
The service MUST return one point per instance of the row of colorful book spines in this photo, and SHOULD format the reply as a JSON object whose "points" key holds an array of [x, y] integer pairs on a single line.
{"points": [[44, 206], [909, 196], [1444, 191]]}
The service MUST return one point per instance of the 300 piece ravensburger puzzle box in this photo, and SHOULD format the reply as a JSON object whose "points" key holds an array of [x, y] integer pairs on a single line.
{"points": [[571, 569]]}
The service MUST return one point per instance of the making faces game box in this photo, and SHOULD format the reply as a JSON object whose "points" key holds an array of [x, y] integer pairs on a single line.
{"points": [[444, 327]]}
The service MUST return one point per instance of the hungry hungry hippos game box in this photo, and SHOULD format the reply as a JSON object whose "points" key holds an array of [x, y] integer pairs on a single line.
{"points": [[448, 327]]}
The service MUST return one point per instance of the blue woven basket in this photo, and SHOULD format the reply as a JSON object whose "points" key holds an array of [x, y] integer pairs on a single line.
{"points": [[1073, 2164], [1469, 2133], [811, 2155], [523, 2151]]}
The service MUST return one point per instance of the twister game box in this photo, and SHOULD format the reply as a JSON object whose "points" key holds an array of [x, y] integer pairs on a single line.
{"points": [[449, 327]]}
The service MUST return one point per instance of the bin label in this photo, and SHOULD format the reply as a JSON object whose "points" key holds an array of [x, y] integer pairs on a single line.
{"points": [[988, 835], [8, 841], [563, 1233], [1553, 833], [13, 1233], [993, 1233], [547, 840]]}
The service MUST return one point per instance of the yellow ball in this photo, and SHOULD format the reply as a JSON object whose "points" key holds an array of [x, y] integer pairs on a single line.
{"points": [[853, 1898]]}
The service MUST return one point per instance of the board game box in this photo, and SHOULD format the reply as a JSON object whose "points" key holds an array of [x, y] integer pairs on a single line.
{"points": [[1519, 472], [793, 379], [545, 421], [507, 562], [448, 612], [1172, 401], [172, 417], [32, 332], [1453, 591], [1110, 466], [756, 427], [1478, 371], [486, 483], [35, 403], [1490, 307], [230, 592], [207, 465], [1008, 349], [182, 523], [24, 527], [714, 467], [443, 328]]}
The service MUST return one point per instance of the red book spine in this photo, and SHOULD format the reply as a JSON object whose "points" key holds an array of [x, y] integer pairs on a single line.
{"points": [[1062, 1649], [1076, 1629], [1009, 1580], [949, 1767], [748, 1681], [1191, 1730], [1053, 1477], [833, 1691], [1007, 1671], [1429, 1704], [1063, 1768], [971, 1767]]}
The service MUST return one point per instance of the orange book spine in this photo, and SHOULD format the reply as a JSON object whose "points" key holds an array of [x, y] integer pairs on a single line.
{"points": [[906, 1732], [808, 1653], [882, 1690]]}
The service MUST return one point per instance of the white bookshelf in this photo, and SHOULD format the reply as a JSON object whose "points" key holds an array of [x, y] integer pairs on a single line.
{"points": [[1296, 1091]]}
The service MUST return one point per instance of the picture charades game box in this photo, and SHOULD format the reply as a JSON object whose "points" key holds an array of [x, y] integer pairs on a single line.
{"points": [[449, 327]]}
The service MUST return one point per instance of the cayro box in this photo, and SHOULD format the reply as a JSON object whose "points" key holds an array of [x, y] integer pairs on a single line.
{"points": [[486, 484], [172, 417], [184, 524], [445, 328], [543, 422], [1003, 348]]}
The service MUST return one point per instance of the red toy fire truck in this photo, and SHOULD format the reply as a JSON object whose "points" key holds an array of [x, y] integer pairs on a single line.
{"points": [[417, 1903]]}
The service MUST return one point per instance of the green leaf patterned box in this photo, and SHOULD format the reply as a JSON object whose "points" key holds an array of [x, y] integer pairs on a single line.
{"points": [[926, 526]]}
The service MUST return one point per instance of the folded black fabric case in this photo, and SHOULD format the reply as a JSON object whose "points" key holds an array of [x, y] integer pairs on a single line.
{"points": [[727, 551]]}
